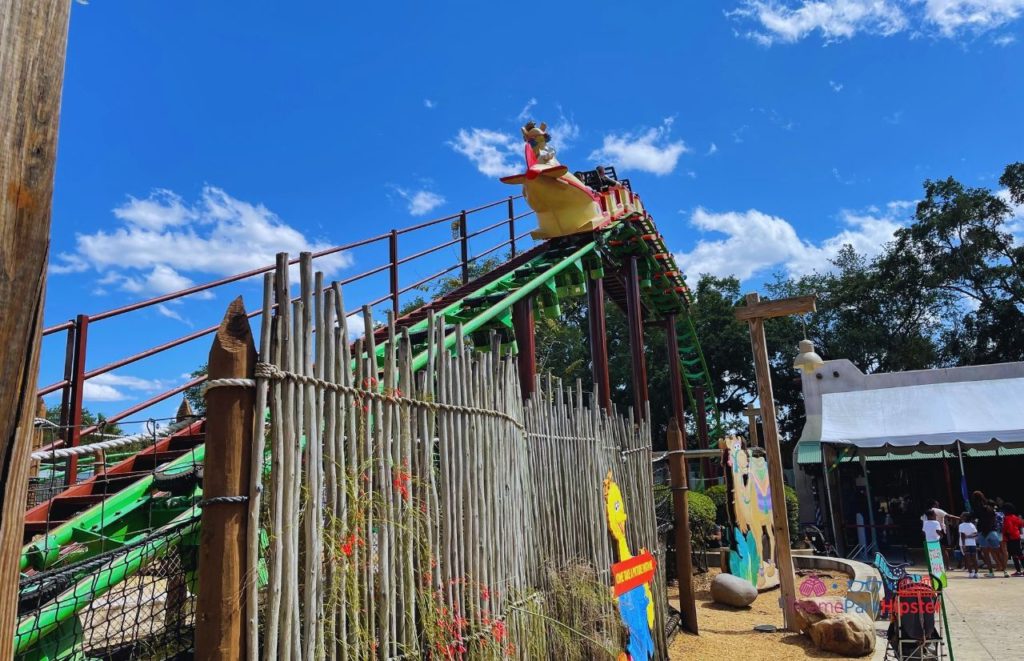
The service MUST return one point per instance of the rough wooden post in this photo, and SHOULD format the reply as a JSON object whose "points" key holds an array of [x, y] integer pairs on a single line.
{"points": [[33, 40], [220, 628], [40, 436], [680, 506], [754, 314]]}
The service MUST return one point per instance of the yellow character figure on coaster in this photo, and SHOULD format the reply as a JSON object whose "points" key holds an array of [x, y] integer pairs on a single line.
{"points": [[636, 607], [564, 204]]}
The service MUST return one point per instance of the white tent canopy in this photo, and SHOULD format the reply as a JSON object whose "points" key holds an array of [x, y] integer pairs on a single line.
{"points": [[981, 406], [972, 412]]}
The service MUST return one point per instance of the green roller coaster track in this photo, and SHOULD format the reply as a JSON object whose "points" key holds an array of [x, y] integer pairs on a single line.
{"points": [[131, 519]]}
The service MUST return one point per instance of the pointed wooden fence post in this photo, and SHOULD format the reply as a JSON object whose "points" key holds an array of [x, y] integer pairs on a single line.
{"points": [[684, 546], [755, 312], [220, 625]]}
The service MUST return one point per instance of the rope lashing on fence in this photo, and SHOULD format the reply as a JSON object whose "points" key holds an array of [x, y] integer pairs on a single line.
{"points": [[223, 500], [102, 446], [272, 372]]}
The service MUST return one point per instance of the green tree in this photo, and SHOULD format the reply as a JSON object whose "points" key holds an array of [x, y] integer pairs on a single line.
{"points": [[88, 419], [961, 244]]}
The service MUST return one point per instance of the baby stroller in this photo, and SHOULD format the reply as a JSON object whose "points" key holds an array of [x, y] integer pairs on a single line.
{"points": [[915, 623], [818, 541]]}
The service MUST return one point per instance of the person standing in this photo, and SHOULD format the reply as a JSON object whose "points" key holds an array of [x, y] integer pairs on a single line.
{"points": [[989, 538], [968, 535], [1012, 525], [945, 520]]}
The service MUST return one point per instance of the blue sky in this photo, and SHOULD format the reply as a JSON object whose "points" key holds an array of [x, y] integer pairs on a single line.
{"points": [[197, 139]]}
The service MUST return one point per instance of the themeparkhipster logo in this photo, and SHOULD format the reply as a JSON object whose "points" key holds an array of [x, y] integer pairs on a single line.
{"points": [[911, 598]]}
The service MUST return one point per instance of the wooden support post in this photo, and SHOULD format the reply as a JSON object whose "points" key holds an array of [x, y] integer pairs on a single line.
{"points": [[634, 321], [599, 343], [752, 415], [684, 548], [754, 314], [33, 40], [522, 325], [230, 411]]}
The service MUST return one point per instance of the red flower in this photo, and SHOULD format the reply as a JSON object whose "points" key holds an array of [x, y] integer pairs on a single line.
{"points": [[498, 630]]}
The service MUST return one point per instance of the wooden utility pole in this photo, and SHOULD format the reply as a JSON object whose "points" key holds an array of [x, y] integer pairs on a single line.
{"points": [[526, 345], [684, 547], [635, 323], [33, 41], [230, 410], [754, 314]]}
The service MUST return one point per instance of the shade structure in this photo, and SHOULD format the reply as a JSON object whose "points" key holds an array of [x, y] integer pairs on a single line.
{"points": [[919, 412], [940, 414]]}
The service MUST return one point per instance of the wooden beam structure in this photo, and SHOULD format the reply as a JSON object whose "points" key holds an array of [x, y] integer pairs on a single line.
{"points": [[33, 42], [634, 321], [755, 312], [230, 411], [599, 343], [526, 343], [753, 414], [675, 376]]}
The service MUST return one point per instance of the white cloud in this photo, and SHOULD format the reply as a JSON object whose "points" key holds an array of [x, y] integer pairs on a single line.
{"points": [[757, 243], [650, 150], [894, 118], [428, 104], [524, 114], [788, 21], [836, 87], [420, 202], [563, 133], [846, 181], [492, 152], [170, 313], [1004, 40], [713, 149], [737, 135], [162, 242], [953, 17], [112, 387], [355, 325]]}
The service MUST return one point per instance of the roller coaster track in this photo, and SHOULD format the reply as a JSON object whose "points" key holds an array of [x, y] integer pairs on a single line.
{"points": [[120, 512]]}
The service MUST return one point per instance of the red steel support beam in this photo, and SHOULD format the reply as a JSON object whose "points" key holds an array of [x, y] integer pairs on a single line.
{"points": [[599, 343], [675, 376], [74, 432], [393, 253], [512, 224], [634, 314], [464, 248], [522, 325]]}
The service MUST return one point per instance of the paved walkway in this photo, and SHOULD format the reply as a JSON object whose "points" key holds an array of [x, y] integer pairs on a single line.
{"points": [[984, 617]]}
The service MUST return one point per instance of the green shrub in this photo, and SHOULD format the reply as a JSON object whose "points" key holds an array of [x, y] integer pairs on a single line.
{"points": [[702, 511], [792, 511], [719, 495]]}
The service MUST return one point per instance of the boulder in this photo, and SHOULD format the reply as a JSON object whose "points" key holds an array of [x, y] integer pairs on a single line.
{"points": [[832, 629], [733, 590]]}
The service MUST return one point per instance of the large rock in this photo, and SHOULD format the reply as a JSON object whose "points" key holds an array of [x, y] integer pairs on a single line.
{"points": [[833, 629], [733, 590]]}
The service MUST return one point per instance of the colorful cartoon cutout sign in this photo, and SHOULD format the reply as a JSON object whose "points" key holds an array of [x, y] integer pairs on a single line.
{"points": [[752, 555], [936, 566], [632, 579]]}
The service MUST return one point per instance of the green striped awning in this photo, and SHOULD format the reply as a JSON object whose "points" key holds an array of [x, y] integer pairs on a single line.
{"points": [[809, 452]]}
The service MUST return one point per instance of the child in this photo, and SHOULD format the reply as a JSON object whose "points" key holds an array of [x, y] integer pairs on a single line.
{"points": [[969, 543], [1012, 525], [931, 526]]}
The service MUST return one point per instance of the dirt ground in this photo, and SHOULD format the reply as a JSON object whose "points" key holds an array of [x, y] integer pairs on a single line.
{"points": [[728, 633]]}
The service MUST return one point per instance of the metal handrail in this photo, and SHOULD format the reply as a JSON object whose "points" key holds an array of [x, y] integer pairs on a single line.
{"points": [[75, 374]]}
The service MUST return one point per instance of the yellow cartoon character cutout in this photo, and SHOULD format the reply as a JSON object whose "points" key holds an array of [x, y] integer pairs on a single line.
{"points": [[632, 576]]}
